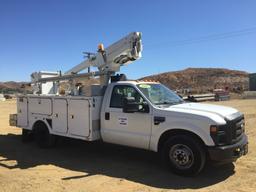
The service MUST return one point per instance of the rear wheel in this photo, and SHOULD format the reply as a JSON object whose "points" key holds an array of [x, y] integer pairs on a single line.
{"points": [[184, 155], [42, 136], [27, 135]]}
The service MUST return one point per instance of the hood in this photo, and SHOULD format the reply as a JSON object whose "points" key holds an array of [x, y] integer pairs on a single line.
{"points": [[225, 112]]}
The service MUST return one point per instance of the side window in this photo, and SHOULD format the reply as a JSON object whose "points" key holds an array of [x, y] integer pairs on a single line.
{"points": [[120, 92]]}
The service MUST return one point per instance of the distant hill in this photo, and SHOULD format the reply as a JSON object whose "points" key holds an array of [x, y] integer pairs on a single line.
{"points": [[14, 87], [203, 79], [197, 80]]}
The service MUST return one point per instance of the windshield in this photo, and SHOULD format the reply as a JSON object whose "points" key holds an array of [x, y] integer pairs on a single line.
{"points": [[158, 94]]}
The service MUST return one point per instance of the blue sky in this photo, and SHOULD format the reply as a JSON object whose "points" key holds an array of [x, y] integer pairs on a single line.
{"points": [[51, 35]]}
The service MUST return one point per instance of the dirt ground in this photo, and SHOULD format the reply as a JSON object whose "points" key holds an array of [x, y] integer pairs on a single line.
{"points": [[79, 166]]}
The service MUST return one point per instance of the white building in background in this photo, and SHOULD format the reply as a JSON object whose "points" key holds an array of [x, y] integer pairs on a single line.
{"points": [[2, 97]]}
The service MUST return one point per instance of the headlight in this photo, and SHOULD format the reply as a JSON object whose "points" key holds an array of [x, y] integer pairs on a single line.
{"points": [[218, 134]]}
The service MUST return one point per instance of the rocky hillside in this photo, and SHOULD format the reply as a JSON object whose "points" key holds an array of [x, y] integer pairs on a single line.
{"points": [[14, 87], [200, 80]]}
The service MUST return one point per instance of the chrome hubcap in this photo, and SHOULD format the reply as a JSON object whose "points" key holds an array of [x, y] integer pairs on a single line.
{"points": [[182, 156]]}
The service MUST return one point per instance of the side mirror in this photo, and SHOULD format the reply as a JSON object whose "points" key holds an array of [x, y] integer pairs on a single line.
{"points": [[145, 108], [130, 105]]}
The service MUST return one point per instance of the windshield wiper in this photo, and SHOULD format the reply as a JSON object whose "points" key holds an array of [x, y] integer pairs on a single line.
{"points": [[169, 103], [164, 103]]}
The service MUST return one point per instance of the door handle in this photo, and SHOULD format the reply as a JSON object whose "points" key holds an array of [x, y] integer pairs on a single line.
{"points": [[158, 120], [107, 116]]}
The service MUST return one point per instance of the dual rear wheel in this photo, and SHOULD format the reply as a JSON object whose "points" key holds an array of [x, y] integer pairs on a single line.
{"points": [[40, 134]]}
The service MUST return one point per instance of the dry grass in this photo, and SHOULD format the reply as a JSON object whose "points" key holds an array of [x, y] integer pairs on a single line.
{"points": [[80, 166]]}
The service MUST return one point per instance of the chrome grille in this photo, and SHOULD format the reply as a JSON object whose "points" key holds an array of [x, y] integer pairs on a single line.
{"points": [[237, 128]]}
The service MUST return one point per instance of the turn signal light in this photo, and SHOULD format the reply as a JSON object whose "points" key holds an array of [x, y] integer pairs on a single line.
{"points": [[213, 129]]}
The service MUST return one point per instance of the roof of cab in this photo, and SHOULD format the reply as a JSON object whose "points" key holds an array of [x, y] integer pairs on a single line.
{"points": [[135, 82]]}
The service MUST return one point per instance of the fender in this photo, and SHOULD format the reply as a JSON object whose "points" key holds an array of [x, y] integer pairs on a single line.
{"points": [[202, 133], [44, 121]]}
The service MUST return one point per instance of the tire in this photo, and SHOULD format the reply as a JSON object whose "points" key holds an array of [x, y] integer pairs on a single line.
{"points": [[184, 155], [42, 136], [27, 136]]}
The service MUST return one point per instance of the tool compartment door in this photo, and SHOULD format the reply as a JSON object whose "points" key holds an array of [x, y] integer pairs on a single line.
{"points": [[22, 110], [40, 106], [79, 117], [60, 115]]}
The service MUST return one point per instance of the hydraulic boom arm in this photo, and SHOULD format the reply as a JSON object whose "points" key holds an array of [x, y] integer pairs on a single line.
{"points": [[108, 61], [124, 51]]}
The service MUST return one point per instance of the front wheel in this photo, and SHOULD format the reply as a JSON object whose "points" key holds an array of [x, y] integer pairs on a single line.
{"points": [[184, 155]]}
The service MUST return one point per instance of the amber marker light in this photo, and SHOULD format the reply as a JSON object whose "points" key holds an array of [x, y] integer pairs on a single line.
{"points": [[100, 47], [213, 129]]}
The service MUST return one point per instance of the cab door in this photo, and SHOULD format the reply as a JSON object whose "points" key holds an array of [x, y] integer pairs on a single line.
{"points": [[130, 129]]}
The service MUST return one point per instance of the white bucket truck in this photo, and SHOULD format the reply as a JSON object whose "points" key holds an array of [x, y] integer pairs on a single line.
{"points": [[138, 114]]}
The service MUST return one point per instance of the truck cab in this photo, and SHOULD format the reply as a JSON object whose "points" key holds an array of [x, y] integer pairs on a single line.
{"points": [[150, 116]]}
